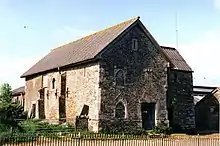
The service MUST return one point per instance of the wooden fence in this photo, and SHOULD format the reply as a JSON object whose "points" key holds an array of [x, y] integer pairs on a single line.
{"points": [[68, 139]]}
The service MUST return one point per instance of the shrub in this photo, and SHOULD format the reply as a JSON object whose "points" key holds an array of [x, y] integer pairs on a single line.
{"points": [[162, 130], [33, 125], [9, 113]]}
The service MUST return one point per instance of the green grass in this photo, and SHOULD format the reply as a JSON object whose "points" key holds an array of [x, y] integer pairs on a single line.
{"points": [[35, 128]]}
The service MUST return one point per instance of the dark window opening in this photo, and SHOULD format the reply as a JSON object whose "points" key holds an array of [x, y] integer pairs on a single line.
{"points": [[175, 77], [53, 83], [134, 44], [119, 78], [120, 111]]}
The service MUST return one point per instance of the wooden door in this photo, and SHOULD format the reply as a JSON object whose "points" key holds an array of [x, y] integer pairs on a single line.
{"points": [[148, 115]]}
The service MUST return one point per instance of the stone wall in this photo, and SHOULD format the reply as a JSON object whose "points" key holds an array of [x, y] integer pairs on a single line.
{"points": [[82, 86], [51, 96], [32, 85], [180, 100], [144, 81], [208, 109]]}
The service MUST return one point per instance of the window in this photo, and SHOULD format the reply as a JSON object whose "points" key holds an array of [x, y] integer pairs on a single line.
{"points": [[119, 77], [84, 71], [175, 77], [134, 44], [120, 111], [53, 83]]}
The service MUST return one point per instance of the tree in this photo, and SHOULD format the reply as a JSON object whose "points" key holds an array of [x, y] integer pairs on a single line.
{"points": [[5, 93], [9, 112]]}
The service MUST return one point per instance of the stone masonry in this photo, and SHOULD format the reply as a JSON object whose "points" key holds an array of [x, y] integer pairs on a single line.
{"points": [[145, 81], [208, 109], [180, 100], [33, 84], [83, 89]]}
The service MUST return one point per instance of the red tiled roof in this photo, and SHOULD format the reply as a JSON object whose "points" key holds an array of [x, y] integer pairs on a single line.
{"points": [[80, 50], [176, 59]]}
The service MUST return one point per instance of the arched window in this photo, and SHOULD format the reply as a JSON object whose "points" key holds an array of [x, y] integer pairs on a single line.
{"points": [[119, 77], [120, 111], [53, 83]]}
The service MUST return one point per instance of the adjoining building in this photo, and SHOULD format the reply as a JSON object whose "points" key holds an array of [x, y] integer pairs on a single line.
{"points": [[207, 112], [18, 95]]}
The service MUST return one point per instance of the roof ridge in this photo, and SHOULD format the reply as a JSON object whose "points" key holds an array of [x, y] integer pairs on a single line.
{"points": [[166, 47], [84, 37]]}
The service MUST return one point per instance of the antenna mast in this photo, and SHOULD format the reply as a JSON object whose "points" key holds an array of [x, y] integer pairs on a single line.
{"points": [[177, 36]]}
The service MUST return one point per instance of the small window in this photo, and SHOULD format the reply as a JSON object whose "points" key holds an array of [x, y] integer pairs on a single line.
{"points": [[120, 111], [134, 44], [84, 71], [53, 83], [119, 77], [175, 77]]}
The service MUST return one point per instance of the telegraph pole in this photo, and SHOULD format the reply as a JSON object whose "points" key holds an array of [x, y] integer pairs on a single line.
{"points": [[176, 26]]}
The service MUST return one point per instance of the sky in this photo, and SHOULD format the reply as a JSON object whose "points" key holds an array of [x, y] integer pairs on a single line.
{"points": [[29, 29]]}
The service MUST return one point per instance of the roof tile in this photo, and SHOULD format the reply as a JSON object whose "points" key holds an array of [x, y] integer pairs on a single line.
{"points": [[176, 59]]}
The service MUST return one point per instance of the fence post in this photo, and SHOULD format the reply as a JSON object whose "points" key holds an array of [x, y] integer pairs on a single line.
{"points": [[79, 139], [198, 140], [32, 139], [123, 139]]}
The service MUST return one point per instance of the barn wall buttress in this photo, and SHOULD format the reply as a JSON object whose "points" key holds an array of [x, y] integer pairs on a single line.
{"points": [[83, 86], [32, 86], [180, 101]]}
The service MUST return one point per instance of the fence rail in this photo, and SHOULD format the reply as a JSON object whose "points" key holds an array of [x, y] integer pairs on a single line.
{"points": [[77, 139]]}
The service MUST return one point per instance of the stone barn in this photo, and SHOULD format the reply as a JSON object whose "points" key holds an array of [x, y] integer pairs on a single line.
{"points": [[207, 112], [18, 95], [119, 78]]}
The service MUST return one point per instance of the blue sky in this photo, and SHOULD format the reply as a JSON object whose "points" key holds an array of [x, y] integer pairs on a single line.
{"points": [[51, 23]]}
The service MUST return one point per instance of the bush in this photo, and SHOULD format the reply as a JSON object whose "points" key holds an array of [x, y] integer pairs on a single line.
{"points": [[9, 115], [162, 130], [32, 125]]}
